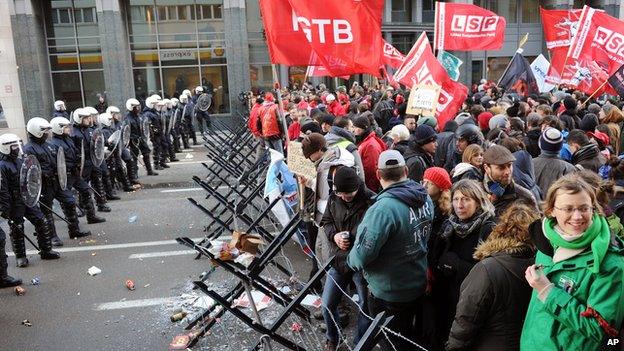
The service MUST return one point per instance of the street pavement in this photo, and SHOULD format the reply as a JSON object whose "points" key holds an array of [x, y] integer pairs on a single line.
{"points": [[71, 310]]}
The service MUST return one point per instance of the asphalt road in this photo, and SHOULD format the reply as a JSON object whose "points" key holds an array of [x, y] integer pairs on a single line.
{"points": [[71, 310]]}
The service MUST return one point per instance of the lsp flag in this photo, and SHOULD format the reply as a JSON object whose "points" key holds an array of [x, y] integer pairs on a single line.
{"points": [[467, 27], [346, 35]]}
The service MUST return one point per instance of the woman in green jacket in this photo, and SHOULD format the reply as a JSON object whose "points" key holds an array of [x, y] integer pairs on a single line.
{"points": [[578, 277]]}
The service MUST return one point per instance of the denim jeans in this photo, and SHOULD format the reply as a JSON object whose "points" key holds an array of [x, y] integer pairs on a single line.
{"points": [[332, 297], [407, 321], [275, 144]]}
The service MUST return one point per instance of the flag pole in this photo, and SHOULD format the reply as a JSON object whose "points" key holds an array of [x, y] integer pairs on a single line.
{"points": [[435, 27], [594, 93], [280, 112], [521, 44]]}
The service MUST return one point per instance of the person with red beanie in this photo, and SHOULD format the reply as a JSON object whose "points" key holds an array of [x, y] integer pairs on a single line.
{"points": [[484, 120]]}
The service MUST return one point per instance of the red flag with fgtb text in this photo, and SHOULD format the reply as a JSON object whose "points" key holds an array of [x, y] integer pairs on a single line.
{"points": [[345, 35]]}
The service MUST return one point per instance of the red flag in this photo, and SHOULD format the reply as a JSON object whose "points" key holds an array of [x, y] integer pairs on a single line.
{"points": [[559, 26], [346, 35], [600, 37], [391, 56], [316, 68], [421, 66], [592, 75], [467, 27]]}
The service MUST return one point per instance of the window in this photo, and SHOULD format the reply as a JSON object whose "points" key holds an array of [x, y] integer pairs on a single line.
{"points": [[64, 16], [398, 5], [401, 11], [183, 13], [74, 51], [507, 9], [530, 11], [178, 45]]}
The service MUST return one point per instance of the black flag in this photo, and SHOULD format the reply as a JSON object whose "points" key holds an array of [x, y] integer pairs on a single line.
{"points": [[617, 80], [518, 76]]}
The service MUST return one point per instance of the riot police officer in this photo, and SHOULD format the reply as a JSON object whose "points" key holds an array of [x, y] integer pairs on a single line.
{"points": [[121, 156], [186, 119], [175, 128], [61, 139], [98, 173], [111, 143], [81, 136], [6, 281], [60, 110], [14, 209], [138, 144], [151, 112], [45, 152], [202, 116]]}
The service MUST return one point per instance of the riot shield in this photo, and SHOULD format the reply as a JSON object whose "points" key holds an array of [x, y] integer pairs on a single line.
{"points": [[61, 169], [30, 180], [163, 121], [145, 128], [97, 147], [204, 102], [82, 158], [172, 120], [114, 143], [125, 135]]}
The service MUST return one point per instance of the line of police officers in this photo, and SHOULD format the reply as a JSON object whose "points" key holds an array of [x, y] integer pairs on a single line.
{"points": [[163, 123]]}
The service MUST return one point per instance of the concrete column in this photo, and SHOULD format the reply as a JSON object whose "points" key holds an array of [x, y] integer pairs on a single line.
{"points": [[32, 59], [237, 50], [117, 64], [10, 96]]}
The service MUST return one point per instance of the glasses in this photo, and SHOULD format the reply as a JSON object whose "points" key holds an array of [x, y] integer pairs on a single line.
{"points": [[570, 210]]}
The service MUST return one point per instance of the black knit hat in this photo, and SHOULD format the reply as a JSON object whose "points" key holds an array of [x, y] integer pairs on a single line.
{"points": [[424, 134], [361, 122], [346, 180]]}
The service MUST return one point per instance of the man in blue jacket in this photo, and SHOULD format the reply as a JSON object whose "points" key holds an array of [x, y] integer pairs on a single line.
{"points": [[391, 247]]}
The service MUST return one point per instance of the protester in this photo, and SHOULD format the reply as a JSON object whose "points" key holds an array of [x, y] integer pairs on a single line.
{"points": [[470, 223], [585, 154], [498, 182], [400, 136], [548, 166], [471, 166], [495, 296], [523, 173], [370, 147], [391, 247], [346, 206], [578, 291], [419, 155], [410, 122]]}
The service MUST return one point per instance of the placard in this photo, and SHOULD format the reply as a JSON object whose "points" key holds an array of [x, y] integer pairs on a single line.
{"points": [[297, 163], [423, 100]]}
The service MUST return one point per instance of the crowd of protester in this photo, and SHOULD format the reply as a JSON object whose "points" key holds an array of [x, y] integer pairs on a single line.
{"points": [[499, 230]]}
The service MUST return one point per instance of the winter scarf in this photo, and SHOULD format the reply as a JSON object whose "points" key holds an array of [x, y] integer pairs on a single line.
{"points": [[462, 228], [597, 236]]}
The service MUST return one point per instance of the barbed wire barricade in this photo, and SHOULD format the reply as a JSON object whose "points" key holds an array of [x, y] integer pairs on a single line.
{"points": [[235, 180]]}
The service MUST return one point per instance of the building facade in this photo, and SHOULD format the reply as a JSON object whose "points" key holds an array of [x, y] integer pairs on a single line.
{"points": [[73, 50]]}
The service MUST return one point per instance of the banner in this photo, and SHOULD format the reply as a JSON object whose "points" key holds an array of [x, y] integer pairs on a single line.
{"points": [[422, 67], [423, 100], [346, 35], [391, 56], [316, 68], [599, 40], [540, 67], [519, 76], [451, 63], [617, 80], [467, 27], [560, 26]]}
